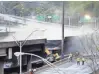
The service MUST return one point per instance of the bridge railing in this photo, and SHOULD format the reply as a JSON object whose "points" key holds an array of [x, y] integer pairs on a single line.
{"points": [[57, 63]]}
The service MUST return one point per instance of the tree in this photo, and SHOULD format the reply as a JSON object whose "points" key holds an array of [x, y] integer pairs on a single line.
{"points": [[90, 44], [90, 7]]}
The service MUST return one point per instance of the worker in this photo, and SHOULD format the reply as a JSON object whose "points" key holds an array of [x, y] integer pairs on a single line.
{"points": [[77, 54], [57, 57], [70, 57], [31, 71], [78, 61], [50, 58], [49, 55], [47, 52], [83, 61]]}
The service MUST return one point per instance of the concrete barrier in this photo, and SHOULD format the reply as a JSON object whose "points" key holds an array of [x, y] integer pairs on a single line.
{"points": [[57, 63]]}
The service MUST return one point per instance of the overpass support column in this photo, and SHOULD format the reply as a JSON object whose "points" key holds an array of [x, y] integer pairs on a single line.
{"points": [[10, 53], [1, 67], [2, 58]]}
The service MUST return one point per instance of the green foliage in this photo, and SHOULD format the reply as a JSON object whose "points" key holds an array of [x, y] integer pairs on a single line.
{"points": [[17, 8], [91, 7], [38, 10], [46, 8], [97, 48]]}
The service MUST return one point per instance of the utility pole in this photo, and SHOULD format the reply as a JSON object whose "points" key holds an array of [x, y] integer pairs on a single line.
{"points": [[62, 42], [20, 58]]}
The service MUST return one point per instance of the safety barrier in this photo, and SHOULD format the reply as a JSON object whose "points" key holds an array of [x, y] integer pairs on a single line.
{"points": [[38, 70]]}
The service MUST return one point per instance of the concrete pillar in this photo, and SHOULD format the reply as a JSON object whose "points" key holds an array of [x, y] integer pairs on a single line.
{"points": [[10, 53], [2, 54], [1, 67], [18, 60]]}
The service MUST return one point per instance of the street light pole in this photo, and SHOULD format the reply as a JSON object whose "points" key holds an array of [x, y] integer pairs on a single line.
{"points": [[20, 58], [20, 44], [43, 59], [62, 42]]}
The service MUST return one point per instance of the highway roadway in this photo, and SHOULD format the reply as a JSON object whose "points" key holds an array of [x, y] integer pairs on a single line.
{"points": [[65, 67], [51, 31], [70, 68]]}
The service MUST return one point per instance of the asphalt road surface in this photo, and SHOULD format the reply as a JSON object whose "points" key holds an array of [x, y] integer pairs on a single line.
{"points": [[70, 68], [51, 31]]}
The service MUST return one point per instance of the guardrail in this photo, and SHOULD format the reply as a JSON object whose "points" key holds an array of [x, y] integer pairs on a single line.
{"points": [[43, 22], [38, 70]]}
